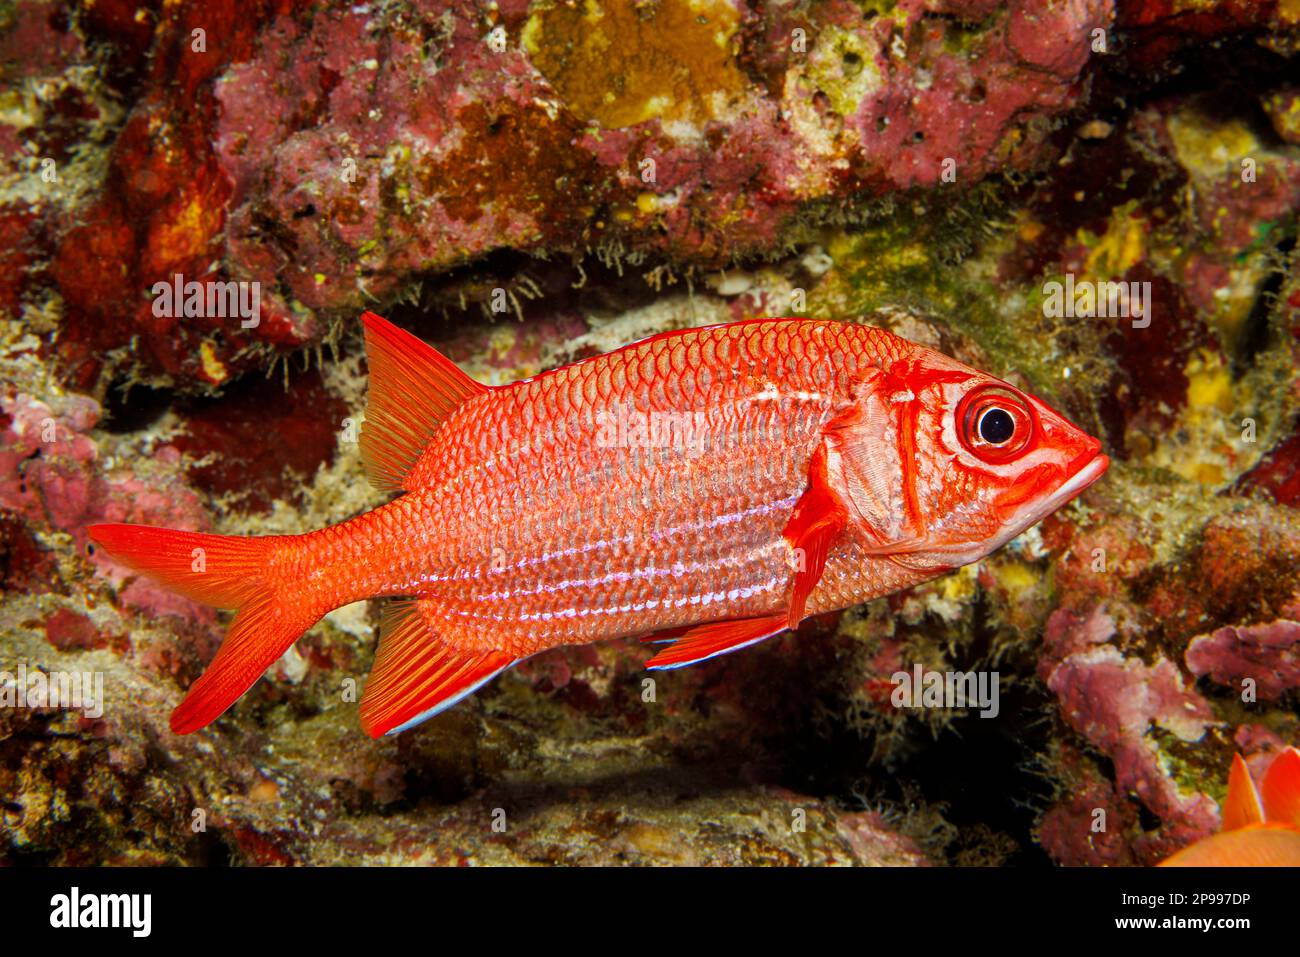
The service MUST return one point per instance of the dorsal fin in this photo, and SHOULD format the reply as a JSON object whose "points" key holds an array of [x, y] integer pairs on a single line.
{"points": [[416, 675], [412, 389]]}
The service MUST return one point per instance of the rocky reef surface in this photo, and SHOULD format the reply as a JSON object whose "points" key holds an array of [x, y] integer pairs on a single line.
{"points": [[524, 184]]}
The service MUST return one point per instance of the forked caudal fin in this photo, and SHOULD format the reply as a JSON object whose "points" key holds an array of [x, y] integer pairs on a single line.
{"points": [[1242, 807], [226, 572], [412, 390], [1277, 801]]}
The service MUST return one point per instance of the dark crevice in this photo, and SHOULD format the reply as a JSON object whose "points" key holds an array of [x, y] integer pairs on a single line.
{"points": [[131, 407]]}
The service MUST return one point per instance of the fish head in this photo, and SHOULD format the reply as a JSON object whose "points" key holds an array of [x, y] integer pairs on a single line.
{"points": [[949, 463]]}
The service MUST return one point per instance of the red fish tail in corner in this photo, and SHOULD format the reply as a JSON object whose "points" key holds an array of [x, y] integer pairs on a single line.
{"points": [[226, 572]]}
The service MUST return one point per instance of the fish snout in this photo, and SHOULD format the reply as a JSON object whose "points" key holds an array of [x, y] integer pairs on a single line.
{"points": [[1075, 450]]}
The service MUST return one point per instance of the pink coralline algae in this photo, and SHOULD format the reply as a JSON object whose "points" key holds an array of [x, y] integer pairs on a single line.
{"points": [[1267, 653], [51, 475], [1092, 822], [874, 842], [1056, 37], [396, 146], [44, 458], [68, 630], [344, 155], [1121, 706]]}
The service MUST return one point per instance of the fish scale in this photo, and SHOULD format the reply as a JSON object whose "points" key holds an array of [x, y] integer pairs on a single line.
{"points": [[662, 554], [710, 487]]}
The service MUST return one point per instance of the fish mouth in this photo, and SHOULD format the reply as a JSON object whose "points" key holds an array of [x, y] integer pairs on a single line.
{"points": [[1093, 468]]}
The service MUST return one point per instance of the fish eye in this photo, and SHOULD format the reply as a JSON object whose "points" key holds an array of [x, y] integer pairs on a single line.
{"points": [[996, 426], [995, 423]]}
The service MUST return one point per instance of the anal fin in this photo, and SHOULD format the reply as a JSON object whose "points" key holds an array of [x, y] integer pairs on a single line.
{"points": [[716, 638], [416, 675]]}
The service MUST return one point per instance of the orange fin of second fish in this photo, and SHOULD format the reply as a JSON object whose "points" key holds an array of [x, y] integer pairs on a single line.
{"points": [[1242, 807], [412, 389], [713, 639], [1257, 845], [1281, 789], [416, 675], [818, 518]]}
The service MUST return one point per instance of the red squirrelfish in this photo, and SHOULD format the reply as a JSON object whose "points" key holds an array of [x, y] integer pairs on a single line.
{"points": [[711, 487], [1261, 828]]}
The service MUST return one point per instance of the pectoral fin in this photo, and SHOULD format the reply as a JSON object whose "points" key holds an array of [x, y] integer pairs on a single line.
{"points": [[818, 519]]}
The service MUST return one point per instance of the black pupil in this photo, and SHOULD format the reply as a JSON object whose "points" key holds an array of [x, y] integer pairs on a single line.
{"points": [[997, 426]]}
